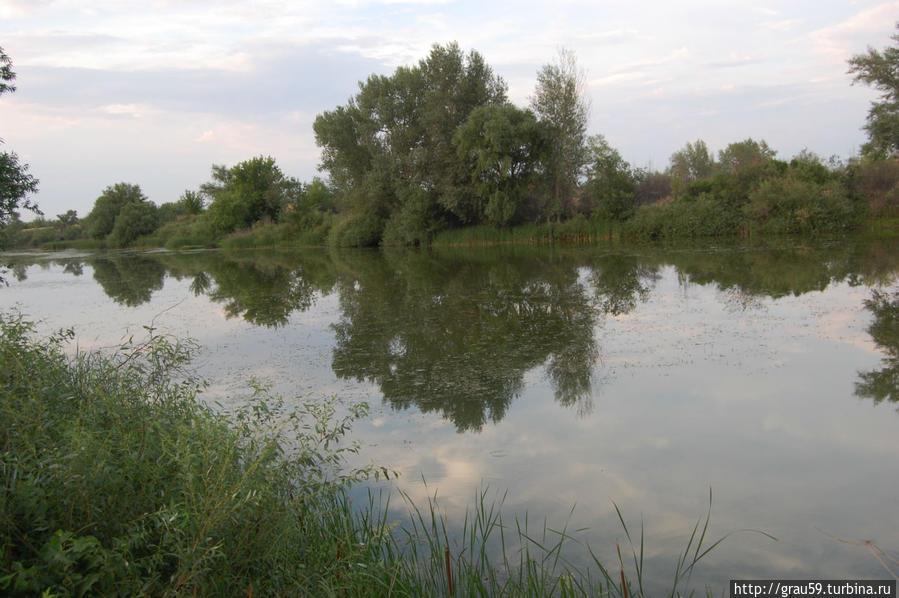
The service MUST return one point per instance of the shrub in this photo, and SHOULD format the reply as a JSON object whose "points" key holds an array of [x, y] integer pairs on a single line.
{"points": [[134, 219], [117, 482], [795, 205], [357, 230]]}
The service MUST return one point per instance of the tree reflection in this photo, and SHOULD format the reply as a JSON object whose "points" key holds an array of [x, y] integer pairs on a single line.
{"points": [[262, 288], [129, 279], [457, 335], [456, 331], [883, 384]]}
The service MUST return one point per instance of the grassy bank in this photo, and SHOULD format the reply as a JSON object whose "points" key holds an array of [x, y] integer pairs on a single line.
{"points": [[117, 481]]}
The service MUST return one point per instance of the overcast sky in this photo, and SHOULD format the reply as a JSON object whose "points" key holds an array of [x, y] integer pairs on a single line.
{"points": [[154, 92]]}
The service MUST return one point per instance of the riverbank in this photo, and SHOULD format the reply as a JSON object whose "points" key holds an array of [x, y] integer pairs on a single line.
{"points": [[119, 481], [576, 231]]}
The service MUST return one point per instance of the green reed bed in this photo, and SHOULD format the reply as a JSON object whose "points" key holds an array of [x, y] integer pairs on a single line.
{"points": [[117, 481], [579, 229]]}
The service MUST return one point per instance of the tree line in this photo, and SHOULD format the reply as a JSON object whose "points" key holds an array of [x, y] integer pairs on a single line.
{"points": [[438, 146]]}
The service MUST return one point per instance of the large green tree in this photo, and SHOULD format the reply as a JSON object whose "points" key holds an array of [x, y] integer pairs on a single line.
{"points": [[561, 103], [389, 150], [881, 71], [246, 193], [15, 181], [504, 145], [102, 218]]}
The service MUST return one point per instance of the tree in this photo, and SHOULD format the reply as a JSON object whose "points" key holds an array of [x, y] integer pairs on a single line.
{"points": [[191, 202], [246, 193], [503, 145], [883, 384], [7, 75], [102, 218], [70, 218], [561, 104], [390, 151], [740, 155], [15, 181], [609, 190], [135, 219], [692, 162], [651, 186], [881, 71], [309, 203]]}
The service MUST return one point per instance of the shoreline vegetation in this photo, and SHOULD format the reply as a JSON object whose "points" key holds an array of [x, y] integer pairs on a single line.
{"points": [[436, 154], [118, 480]]}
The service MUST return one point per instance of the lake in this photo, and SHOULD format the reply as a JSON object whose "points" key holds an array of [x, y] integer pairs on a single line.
{"points": [[579, 377]]}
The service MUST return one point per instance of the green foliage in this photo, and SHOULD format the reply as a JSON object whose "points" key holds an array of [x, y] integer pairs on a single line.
{"points": [[357, 230], [875, 181], [190, 203], [394, 136], [248, 192], [883, 384], [309, 206], [689, 217], [879, 69], [15, 184], [102, 218], [742, 155], [15, 181], [134, 219], [692, 162], [415, 222], [7, 75], [756, 195], [609, 190], [793, 204], [651, 186], [504, 145], [561, 103], [117, 482], [70, 218], [186, 233]]}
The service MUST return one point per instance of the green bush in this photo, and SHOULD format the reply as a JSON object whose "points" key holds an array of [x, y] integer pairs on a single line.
{"points": [[876, 182], [415, 222], [357, 230], [134, 219], [187, 232], [117, 482], [704, 216], [792, 205]]}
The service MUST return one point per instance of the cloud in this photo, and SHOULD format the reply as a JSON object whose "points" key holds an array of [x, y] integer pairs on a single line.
{"points": [[735, 61], [11, 9], [132, 110], [206, 136], [850, 36], [782, 25]]}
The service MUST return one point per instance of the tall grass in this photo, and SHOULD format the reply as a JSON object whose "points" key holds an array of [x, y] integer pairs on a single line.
{"points": [[117, 481], [576, 230]]}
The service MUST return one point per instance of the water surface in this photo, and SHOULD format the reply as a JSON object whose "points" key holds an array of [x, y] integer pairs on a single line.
{"points": [[575, 376]]}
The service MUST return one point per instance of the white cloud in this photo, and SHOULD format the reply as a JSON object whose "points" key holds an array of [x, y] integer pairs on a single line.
{"points": [[132, 110], [851, 36], [782, 25]]}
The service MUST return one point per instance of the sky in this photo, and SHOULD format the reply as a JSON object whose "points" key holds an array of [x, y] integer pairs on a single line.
{"points": [[154, 92]]}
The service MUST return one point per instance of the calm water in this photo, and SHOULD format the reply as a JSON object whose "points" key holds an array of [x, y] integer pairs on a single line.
{"points": [[567, 377]]}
